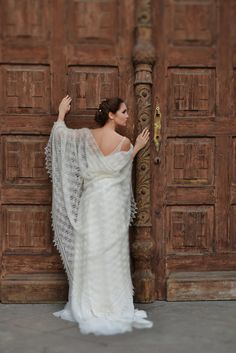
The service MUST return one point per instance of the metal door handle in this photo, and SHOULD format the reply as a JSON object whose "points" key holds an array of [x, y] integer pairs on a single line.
{"points": [[157, 130]]}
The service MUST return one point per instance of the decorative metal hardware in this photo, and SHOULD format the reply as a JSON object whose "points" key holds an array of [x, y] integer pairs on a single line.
{"points": [[157, 133]]}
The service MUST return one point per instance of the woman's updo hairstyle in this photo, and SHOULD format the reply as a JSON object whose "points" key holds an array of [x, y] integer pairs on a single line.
{"points": [[106, 106]]}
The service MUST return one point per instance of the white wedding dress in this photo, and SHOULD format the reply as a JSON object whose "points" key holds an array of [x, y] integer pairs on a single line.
{"points": [[92, 208]]}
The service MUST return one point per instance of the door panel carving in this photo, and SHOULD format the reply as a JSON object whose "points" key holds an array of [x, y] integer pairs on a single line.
{"points": [[194, 188], [48, 49]]}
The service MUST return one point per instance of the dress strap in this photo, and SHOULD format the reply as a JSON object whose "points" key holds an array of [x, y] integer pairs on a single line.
{"points": [[118, 147]]}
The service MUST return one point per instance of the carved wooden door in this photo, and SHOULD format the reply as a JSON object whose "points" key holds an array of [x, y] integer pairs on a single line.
{"points": [[48, 49], [195, 181]]}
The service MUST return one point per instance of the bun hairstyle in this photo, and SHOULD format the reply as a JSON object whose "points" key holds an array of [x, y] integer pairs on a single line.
{"points": [[106, 106]]}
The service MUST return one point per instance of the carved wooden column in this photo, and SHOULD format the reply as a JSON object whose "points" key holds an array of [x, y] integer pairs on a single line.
{"points": [[143, 246]]}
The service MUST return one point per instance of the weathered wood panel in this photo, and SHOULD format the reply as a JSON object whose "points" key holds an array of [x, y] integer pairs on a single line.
{"points": [[194, 193], [49, 49], [201, 286], [35, 288]]}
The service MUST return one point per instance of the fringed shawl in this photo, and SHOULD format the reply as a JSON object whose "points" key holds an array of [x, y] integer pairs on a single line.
{"points": [[73, 160]]}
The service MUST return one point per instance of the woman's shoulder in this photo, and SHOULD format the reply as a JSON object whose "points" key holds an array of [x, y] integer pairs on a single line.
{"points": [[125, 144]]}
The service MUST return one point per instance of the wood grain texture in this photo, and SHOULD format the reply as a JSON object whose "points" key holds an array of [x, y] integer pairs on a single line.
{"points": [[35, 288], [194, 186], [215, 285], [87, 49], [49, 49], [143, 246]]}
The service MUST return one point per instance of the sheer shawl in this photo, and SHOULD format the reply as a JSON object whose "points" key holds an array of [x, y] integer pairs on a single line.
{"points": [[73, 159]]}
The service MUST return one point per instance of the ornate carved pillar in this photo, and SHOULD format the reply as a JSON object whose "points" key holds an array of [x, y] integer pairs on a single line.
{"points": [[143, 246]]}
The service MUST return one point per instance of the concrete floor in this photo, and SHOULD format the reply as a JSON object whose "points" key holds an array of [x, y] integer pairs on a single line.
{"points": [[179, 327]]}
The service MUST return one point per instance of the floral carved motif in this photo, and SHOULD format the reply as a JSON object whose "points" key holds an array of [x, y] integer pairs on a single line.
{"points": [[143, 246]]}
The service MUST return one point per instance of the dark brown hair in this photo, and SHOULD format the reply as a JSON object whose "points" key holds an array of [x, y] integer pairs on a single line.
{"points": [[106, 106]]}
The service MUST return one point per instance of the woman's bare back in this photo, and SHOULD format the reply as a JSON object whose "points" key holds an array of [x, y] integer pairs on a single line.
{"points": [[108, 140]]}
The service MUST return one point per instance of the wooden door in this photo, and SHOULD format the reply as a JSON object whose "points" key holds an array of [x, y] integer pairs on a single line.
{"points": [[48, 49], [194, 205]]}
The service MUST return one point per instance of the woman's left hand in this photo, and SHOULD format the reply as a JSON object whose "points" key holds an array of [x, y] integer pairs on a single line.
{"points": [[142, 138]]}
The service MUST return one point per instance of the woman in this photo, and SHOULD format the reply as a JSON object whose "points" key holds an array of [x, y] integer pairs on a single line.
{"points": [[92, 208]]}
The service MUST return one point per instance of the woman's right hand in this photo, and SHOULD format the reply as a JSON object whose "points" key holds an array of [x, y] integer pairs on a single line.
{"points": [[64, 107], [142, 139]]}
